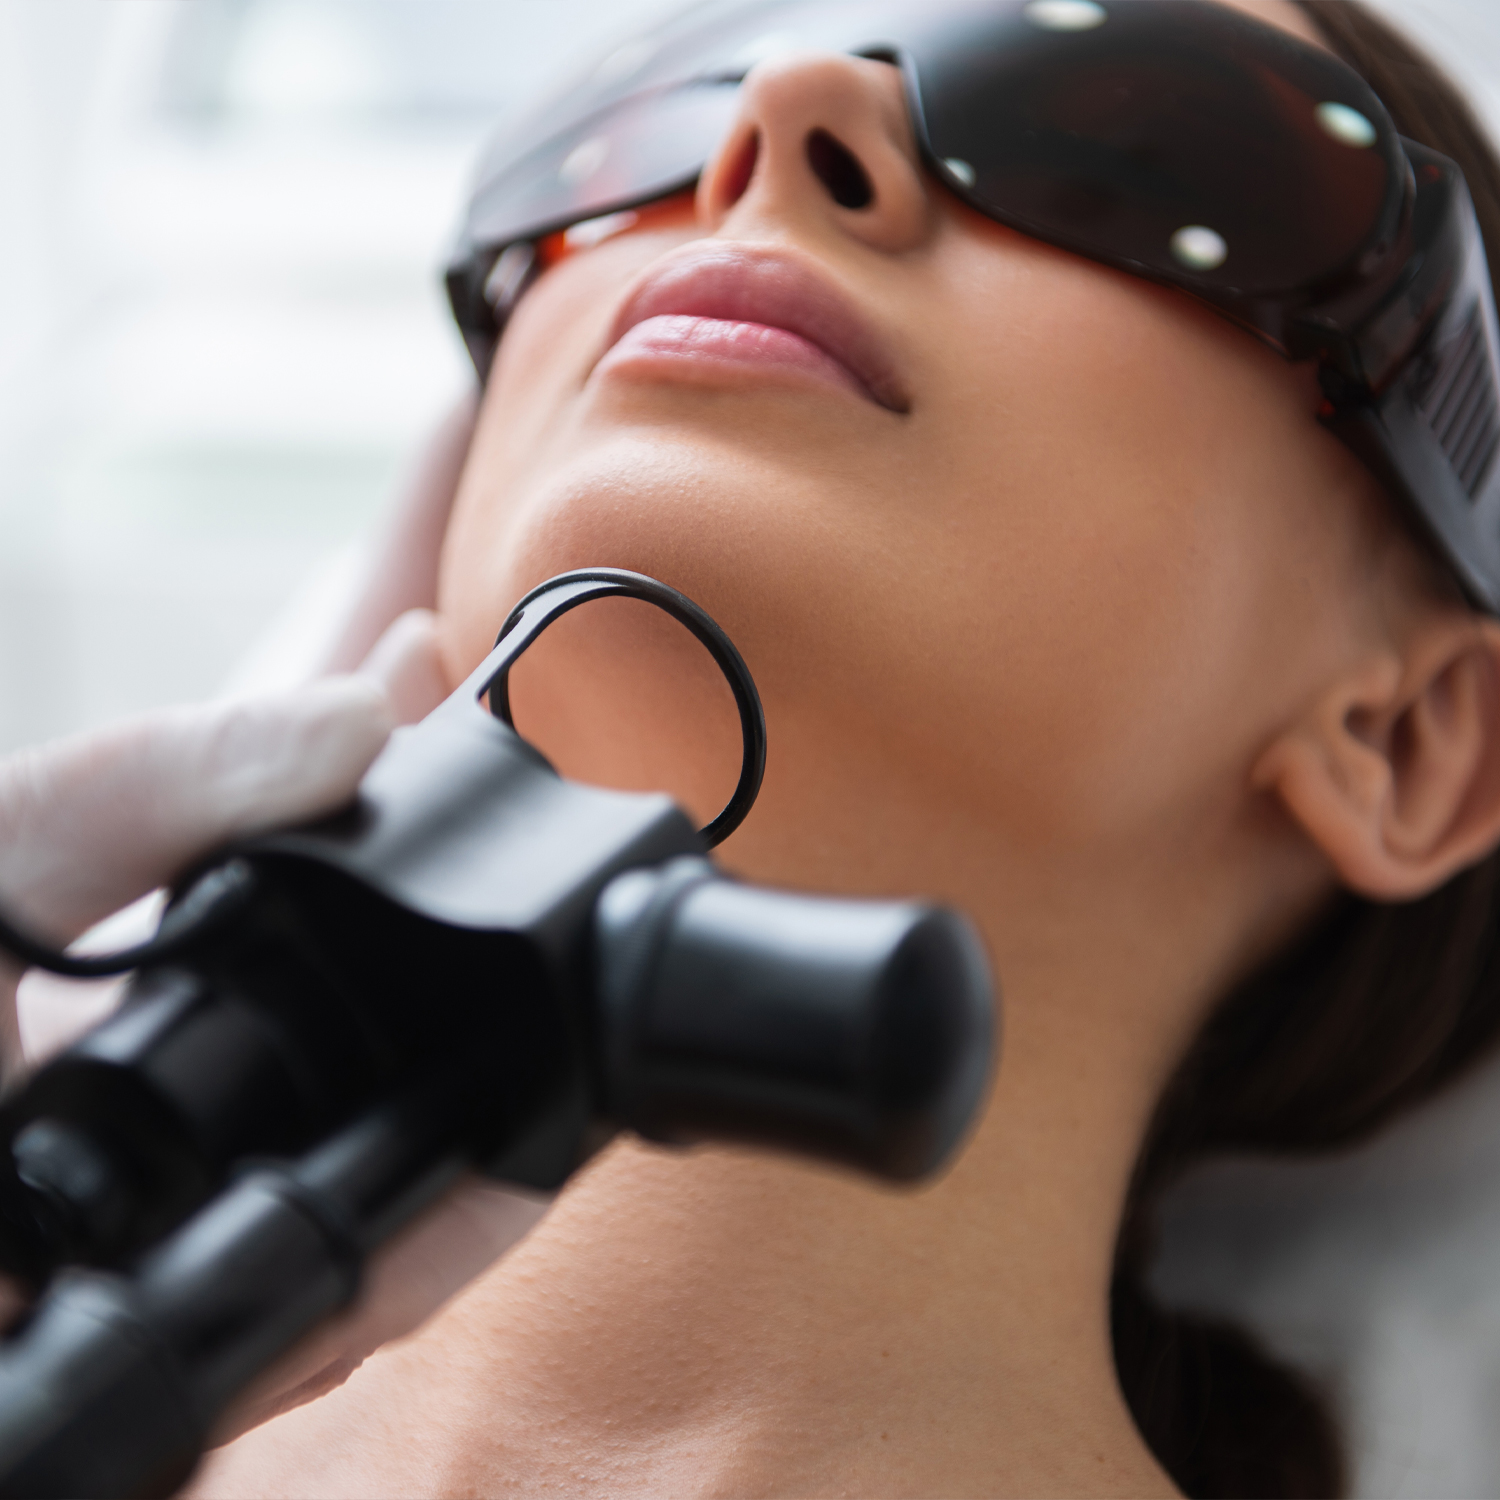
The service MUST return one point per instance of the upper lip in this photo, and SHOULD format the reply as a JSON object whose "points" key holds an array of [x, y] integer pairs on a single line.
{"points": [[751, 284]]}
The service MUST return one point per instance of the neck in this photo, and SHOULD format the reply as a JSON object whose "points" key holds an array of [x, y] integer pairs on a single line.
{"points": [[724, 1322]]}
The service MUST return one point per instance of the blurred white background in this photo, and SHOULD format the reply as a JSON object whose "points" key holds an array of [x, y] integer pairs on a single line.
{"points": [[221, 331], [221, 325]]}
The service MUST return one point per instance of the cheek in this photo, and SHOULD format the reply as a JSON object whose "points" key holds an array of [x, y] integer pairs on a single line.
{"points": [[1148, 527]]}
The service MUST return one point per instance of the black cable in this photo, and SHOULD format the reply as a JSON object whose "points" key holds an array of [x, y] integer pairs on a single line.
{"points": [[210, 899]]}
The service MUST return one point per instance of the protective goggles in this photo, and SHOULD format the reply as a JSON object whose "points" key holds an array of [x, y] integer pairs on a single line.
{"points": [[1176, 140]]}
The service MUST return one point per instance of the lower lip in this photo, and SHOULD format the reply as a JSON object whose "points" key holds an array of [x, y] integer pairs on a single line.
{"points": [[716, 347]]}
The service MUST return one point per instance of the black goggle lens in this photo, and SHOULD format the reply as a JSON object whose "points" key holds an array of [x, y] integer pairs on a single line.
{"points": [[1178, 138]]}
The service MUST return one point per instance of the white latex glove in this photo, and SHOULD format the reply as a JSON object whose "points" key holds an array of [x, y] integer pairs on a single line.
{"points": [[92, 823], [89, 824]]}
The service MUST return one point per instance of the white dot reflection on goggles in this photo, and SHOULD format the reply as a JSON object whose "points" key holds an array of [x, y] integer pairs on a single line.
{"points": [[1345, 125], [959, 168], [1066, 15], [584, 160], [1199, 248]]}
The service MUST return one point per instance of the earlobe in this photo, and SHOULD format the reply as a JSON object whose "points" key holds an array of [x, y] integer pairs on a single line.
{"points": [[1394, 772]]}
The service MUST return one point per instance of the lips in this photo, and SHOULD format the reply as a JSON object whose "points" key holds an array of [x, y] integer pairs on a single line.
{"points": [[728, 305]]}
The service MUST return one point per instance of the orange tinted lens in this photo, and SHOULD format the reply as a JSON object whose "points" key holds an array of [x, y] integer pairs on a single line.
{"points": [[674, 212]]}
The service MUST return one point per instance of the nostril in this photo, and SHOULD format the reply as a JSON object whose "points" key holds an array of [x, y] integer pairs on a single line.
{"points": [[838, 169]]}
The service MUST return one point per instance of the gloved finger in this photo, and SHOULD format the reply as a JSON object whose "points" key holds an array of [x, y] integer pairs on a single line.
{"points": [[53, 1012], [406, 662], [91, 823]]}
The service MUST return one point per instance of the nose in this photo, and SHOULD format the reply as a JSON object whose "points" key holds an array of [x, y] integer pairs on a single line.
{"points": [[823, 141]]}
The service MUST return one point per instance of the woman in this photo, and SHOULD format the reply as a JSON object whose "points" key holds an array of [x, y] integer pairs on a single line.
{"points": [[1066, 610]]}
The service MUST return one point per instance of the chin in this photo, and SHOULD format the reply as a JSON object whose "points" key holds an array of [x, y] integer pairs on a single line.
{"points": [[617, 693], [725, 531]]}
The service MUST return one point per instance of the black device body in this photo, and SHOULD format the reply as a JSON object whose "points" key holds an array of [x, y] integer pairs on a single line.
{"points": [[479, 965]]}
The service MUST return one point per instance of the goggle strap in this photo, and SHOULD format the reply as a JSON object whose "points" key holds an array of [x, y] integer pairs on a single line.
{"points": [[1433, 437]]}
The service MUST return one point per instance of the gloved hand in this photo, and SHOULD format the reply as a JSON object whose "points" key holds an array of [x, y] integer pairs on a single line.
{"points": [[90, 824]]}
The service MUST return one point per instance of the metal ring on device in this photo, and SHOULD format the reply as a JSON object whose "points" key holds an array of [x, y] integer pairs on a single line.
{"points": [[553, 599]]}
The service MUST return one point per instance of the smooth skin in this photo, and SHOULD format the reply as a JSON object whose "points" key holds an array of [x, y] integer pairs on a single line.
{"points": [[1104, 641]]}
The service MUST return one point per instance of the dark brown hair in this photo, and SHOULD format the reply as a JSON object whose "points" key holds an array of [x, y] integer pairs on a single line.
{"points": [[1374, 1011]]}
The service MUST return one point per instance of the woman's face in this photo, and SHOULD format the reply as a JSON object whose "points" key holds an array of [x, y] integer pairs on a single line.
{"points": [[1041, 552]]}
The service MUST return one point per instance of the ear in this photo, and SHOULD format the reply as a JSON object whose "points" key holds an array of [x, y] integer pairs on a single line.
{"points": [[1394, 772]]}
